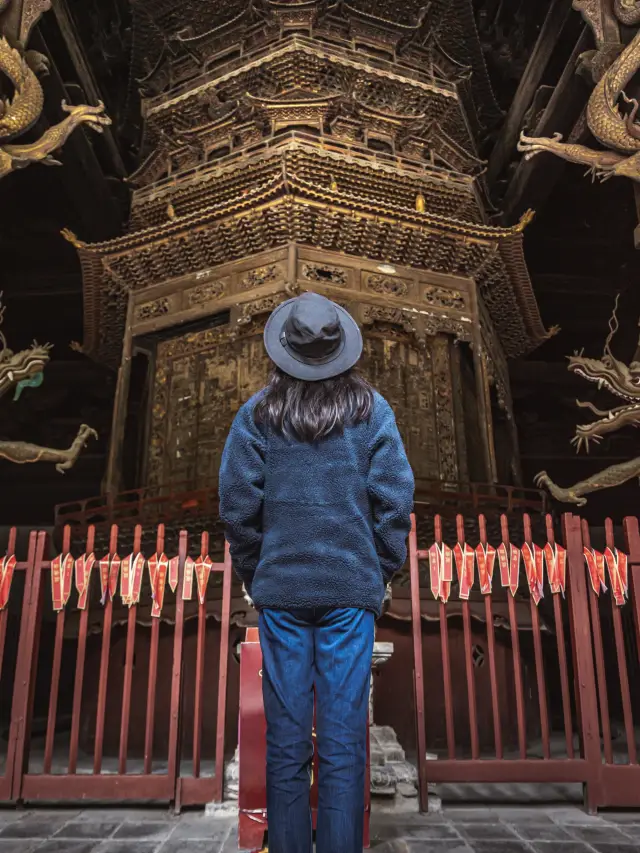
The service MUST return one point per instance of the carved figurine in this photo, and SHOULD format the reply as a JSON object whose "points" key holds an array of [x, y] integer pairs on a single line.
{"points": [[20, 112], [623, 381], [24, 369], [619, 133]]}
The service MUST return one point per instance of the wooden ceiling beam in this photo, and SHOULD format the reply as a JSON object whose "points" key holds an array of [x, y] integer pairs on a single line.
{"points": [[60, 12], [81, 175], [534, 179], [558, 13]]}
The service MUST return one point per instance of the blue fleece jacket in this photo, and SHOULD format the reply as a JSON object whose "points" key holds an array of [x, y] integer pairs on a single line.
{"points": [[319, 524]]}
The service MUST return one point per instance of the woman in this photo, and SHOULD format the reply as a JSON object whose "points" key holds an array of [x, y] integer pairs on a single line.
{"points": [[316, 494]]}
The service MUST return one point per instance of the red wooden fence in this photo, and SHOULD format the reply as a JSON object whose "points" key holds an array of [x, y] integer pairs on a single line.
{"points": [[587, 677], [53, 771], [581, 638]]}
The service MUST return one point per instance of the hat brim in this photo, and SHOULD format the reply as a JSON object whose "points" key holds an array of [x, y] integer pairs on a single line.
{"points": [[346, 358]]}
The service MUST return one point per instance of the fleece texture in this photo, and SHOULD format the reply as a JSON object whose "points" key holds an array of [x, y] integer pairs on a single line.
{"points": [[321, 524]]}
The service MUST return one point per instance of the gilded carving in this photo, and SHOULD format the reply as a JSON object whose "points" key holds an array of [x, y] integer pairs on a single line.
{"points": [[325, 273], [258, 277], [206, 292], [259, 306], [157, 308], [387, 285], [442, 297]]}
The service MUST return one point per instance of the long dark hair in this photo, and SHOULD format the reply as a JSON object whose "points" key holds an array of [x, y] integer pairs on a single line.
{"points": [[309, 411]]}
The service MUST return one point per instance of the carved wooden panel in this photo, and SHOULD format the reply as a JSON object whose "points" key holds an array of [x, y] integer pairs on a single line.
{"points": [[202, 378], [418, 385]]}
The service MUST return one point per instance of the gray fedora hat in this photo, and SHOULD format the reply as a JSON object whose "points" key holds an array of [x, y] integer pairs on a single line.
{"points": [[312, 338]]}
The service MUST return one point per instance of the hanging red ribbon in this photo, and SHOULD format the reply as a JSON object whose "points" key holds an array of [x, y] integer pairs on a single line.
{"points": [[61, 580], [203, 570], [509, 567], [104, 577], [7, 568], [159, 577], [114, 572], [136, 573], [187, 583], [174, 566], [441, 571], [485, 557], [617, 564], [84, 566], [534, 565], [595, 565], [556, 559], [465, 557]]}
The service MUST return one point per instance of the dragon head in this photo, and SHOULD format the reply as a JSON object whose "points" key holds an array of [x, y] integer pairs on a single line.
{"points": [[18, 368], [621, 380]]}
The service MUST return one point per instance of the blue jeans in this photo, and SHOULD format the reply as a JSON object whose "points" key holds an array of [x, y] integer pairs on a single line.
{"points": [[331, 649]]}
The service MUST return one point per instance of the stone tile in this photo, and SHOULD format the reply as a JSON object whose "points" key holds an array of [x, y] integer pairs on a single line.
{"points": [[10, 816], [631, 830], [438, 847], [129, 847], [214, 830], [88, 829], [575, 817], [544, 832], [511, 846], [132, 815], [190, 846], [594, 834], [486, 832], [616, 847], [64, 845], [417, 832], [519, 816], [145, 829], [32, 826], [619, 817], [558, 847], [462, 815], [17, 845]]}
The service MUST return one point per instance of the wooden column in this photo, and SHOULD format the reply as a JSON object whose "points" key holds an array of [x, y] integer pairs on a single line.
{"points": [[114, 460], [483, 402]]}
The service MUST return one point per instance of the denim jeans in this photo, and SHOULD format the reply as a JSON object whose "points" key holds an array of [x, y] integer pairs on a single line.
{"points": [[330, 649]]}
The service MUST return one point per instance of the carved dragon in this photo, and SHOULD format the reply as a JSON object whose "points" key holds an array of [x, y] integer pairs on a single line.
{"points": [[20, 112], [24, 369], [624, 382], [617, 132]]}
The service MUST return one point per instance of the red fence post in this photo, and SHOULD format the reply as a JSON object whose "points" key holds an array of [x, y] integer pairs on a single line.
{"points": [[418, 670], [583, 657], [26, 664], [632, 537]]}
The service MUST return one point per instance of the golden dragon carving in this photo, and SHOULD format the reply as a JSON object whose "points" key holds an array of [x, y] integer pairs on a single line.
{"points": [[20, 112], [616, 130], [25, 369], [624, 382]]}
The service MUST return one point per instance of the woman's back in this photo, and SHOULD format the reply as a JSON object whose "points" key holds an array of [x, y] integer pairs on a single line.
{"points": [[333, 510]]}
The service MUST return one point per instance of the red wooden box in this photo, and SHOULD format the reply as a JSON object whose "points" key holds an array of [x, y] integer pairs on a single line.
{"points": [[252, 799]]}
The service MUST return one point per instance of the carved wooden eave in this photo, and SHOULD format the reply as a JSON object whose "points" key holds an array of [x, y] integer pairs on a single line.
{"points": [[293, 107], [446, 192], [288, 208]]}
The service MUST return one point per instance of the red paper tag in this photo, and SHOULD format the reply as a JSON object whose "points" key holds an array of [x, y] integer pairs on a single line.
{"points": [[7, 567], [174, 566], [136, 573], [104, 577], [556, 559], [84, 565], [595, 564], [465, 558], [61, 580], [617, 564], [125, 579], [162, 567], [187, 583], [533, 562], [114, 571], [485, 558], [203, 569]]}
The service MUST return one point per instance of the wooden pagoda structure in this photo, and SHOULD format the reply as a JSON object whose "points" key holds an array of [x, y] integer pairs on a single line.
{"points": [[294, 145]]}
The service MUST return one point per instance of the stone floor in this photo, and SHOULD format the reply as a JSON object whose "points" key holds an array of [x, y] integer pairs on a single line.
{"points": [[454, 830]]}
